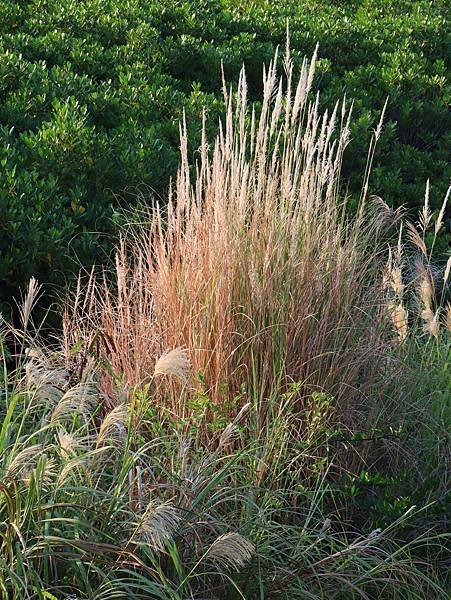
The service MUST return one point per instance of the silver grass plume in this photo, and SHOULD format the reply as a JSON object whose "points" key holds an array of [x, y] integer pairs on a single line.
{"points": [[232, 430], [80, 399], [158, 525], [45, 381], [78, 465], [26, 460], [69, 444], [175, 362], [26, 307], [230, 551], [113, 427]]}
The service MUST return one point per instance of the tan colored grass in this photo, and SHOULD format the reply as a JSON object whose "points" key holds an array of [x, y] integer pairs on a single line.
{"points": [[448, 317], [399, 317], [432, 324], [253, 265], [432, 286]]}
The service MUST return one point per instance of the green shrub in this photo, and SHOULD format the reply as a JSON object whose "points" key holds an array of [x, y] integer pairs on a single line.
{"points": [[91, 93]]}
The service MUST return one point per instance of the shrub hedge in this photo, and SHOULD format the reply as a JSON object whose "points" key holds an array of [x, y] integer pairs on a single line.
{"points": [[91, 93]]}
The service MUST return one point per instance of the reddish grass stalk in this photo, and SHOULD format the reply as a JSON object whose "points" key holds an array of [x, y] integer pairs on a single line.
{"points": [[253, 265]]}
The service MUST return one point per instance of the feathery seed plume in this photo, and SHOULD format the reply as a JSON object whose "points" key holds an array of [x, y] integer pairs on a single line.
{"points": [[113, 426], [158, 524], [230, 551], [175, 362]]}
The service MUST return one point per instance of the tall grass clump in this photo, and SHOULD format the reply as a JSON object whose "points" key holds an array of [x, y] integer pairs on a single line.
{"points": [[254, 266]]}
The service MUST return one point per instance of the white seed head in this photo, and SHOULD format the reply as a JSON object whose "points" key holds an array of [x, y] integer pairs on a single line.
{"points": [[158, 525], [230, 551], [175, 362]]}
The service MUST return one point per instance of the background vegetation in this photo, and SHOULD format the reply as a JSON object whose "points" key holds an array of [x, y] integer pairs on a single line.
{"points": [[252, 400], [91, 93]]}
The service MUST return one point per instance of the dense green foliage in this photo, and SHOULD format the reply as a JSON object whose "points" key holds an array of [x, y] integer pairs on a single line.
{"points": [[91, 94]]}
